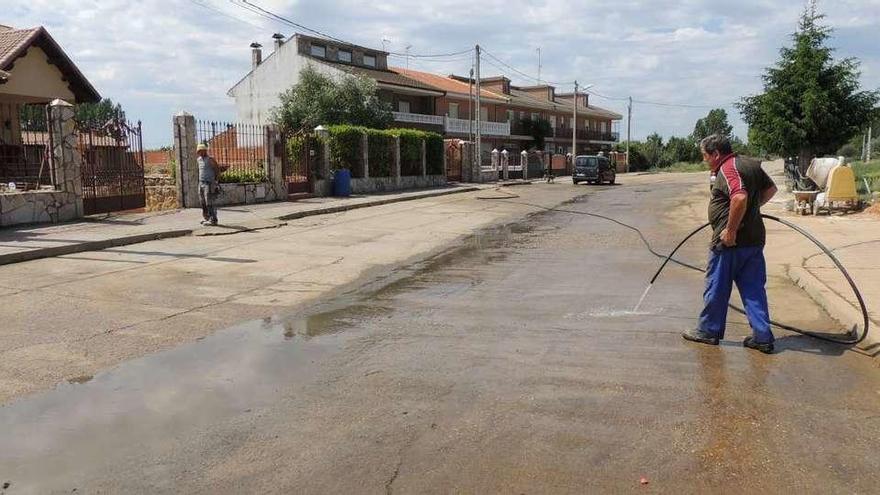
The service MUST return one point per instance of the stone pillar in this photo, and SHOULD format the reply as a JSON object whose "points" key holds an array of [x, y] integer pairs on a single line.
{"points": [[395, 165], [275, 162], [424, 158], [187, 172], [524, 162], [505, 163], [365, 149], [474, 165], [325, 159], [66, 158]]}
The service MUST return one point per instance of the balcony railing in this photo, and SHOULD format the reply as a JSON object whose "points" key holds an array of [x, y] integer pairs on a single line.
{"points": [[463, 126], [418, 118]]}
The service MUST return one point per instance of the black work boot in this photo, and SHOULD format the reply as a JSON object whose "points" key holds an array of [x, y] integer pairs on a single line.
{"points": [[766, 348], [700, 336]]}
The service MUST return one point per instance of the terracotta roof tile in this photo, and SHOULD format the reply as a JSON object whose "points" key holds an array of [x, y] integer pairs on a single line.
{"points": [[12, 42], [444, 83], [382, 76]]}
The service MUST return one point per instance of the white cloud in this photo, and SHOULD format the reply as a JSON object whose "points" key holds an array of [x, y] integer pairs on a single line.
{"points": [[157, 57]]}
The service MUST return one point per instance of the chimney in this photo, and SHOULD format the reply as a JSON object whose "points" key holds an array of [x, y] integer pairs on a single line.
{"points": [[279, 40], [256, 54]]}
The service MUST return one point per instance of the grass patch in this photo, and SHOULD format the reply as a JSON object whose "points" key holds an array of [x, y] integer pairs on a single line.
{"points": [[867, 170], [680, 167]]}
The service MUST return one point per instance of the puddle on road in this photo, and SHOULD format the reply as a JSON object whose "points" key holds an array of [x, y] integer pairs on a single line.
{"points": [[168, 394]]}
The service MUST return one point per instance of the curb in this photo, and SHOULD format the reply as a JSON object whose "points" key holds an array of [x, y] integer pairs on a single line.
{"points": [[36, 254], [835, 305], [52, 252], [366, 204]]}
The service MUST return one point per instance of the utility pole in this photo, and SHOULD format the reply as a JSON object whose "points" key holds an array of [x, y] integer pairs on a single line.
{"points": [[479, 139], [629, 118], [574, 123], [864, 154], [471, 106]]}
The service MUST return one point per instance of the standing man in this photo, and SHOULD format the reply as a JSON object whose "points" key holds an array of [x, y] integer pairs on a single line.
{"points": [[739, 188], [209, 177]]}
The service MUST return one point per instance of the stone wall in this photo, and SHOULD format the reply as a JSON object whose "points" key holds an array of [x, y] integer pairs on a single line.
{"points": [[37, 207], [161, 192], [248, 193], [64, 202]]}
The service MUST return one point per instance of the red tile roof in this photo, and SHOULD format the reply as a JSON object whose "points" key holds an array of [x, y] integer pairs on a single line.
{"points": [[444, 83]]}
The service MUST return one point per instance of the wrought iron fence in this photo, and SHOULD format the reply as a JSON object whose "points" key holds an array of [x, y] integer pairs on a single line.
{"points": [[242, 149], [112, 166], [26, 160]]}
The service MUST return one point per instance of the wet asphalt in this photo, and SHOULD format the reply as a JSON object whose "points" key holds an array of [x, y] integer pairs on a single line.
{"points": [[512, 363]]}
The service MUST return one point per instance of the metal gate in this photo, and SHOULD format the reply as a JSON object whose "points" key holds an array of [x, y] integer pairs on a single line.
{"points": [[301, 155], [453, 160], [112, 167]]}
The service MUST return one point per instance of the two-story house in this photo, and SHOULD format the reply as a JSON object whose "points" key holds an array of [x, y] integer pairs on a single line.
{"points": [[444, 104], [257, 94]]}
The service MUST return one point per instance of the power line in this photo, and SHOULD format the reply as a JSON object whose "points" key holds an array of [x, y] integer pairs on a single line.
{"points": [[252, 7], [288, 21], [224, 14], [523, 74], [433, 55]]}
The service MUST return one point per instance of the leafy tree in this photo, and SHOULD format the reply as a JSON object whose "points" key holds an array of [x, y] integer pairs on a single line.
{"points": [[318, 99], [713, 123], [98, 115], [811, 104], [654, 152], [680, 149], [539, 130]]}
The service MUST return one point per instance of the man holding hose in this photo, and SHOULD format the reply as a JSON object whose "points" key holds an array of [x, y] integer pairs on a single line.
{"points": [[739, 188]]}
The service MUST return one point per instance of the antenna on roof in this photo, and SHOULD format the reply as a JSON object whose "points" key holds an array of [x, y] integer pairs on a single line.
{"points": [[539, 65], [407, 57]]}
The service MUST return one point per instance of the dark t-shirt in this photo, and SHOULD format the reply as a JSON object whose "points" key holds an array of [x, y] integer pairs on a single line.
{"points": [[735, 176]]}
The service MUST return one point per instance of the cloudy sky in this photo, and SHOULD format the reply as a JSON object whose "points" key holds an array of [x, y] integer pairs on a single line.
{"points": [[158, 57]]}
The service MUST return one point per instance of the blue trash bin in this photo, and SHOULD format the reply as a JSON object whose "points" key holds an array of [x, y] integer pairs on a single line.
{"points": [[342, 183]]}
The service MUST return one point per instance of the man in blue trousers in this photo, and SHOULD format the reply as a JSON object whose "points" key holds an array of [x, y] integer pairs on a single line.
{"points": [[739, 188]]}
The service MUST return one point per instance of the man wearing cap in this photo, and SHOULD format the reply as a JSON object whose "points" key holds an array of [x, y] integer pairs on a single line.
{"points": [[739, 188], [209, 176]]}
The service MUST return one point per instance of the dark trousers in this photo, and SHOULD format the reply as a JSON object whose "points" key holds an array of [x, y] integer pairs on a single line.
{"points": [[746, 267]]}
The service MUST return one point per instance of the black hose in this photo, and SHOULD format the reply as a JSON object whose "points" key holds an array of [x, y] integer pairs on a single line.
{"points": [[854, 338]]}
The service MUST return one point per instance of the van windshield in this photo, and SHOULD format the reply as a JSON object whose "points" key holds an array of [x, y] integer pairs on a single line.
{"points": [[586, 161]]}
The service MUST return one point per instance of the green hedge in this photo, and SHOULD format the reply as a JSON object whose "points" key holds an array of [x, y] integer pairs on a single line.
{"points": [[381, 155], [240, 176], [434, 153], [345, 148]]}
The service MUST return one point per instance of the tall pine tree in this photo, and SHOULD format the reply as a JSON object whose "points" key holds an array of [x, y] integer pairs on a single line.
{"points": [[811, 103]]}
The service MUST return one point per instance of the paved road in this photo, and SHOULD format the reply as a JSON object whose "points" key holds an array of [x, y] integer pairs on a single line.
{"points": [[513, 364]]}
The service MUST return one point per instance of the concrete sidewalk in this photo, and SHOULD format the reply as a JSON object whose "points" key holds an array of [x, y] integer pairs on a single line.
{"points": [[18, 244], [854, 240]]}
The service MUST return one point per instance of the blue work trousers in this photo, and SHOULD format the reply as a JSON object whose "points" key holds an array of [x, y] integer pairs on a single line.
{"points": [[746, 267]]}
